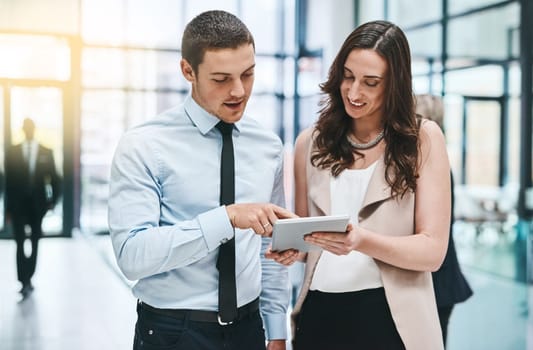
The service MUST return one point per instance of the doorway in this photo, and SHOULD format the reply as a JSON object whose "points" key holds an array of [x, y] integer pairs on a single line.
{"points": [[44, 105], [484, 130]]}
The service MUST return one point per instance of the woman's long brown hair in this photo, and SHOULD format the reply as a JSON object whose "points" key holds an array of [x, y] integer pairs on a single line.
{"points": [[332, 149]]}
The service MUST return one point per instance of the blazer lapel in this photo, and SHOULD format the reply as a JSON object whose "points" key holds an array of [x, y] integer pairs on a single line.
{"points": [[378, 189], [319, 190]]}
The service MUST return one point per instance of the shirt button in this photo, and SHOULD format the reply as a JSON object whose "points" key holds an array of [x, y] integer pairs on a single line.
{"points": [[224, 240]]}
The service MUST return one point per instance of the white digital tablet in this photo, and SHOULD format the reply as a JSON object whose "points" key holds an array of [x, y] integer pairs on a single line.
{"points": [[289, 233]]}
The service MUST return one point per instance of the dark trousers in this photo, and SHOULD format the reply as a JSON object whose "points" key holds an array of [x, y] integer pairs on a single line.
{"points": [[26, 264], [358, 320], [444, 318], [155, 331]]}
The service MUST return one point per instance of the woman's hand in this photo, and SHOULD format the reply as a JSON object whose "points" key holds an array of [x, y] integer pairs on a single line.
{"points": [[338, 243], [285, 257]]}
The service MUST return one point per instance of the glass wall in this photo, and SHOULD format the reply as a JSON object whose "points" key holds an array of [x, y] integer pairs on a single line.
{"points": [[34, 57]]}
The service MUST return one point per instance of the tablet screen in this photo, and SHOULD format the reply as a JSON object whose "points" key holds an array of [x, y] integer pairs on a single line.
{"points": [[289, 233]]}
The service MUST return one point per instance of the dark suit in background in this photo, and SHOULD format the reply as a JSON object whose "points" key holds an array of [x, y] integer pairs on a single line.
{"points": [[28, 198], [449, 282]]}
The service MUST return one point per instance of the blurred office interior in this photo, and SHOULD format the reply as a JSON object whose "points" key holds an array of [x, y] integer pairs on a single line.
{"points": [[87, 70]]}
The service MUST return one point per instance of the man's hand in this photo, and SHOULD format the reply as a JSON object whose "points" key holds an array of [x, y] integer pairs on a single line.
{"points": [[278, 344], [258, 216]]}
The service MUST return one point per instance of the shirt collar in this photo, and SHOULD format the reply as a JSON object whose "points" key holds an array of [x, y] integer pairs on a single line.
{"points": [[203, 120]]}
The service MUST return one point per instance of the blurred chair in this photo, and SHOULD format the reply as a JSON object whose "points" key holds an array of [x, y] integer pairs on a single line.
{"points": [[487, 206]]}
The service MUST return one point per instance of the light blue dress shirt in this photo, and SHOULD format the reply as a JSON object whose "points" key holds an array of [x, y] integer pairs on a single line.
{"points": [[166, 223]]}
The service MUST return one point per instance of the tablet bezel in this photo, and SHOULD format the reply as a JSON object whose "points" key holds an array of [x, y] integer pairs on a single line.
{"points": [[289, 233]]}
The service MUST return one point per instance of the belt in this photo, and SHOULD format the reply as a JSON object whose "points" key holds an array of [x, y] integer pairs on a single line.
{"points": [[202, 315]]}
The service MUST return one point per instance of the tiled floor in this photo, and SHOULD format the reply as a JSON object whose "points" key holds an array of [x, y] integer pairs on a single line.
{"points": [[81, 302], [78, 303]]}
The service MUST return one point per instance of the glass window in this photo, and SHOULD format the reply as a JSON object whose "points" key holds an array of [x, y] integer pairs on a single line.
{"points": [[426, 42], [479, 81], [289, 25], [420, 66], [408, 12], [483, 142], [142, 69], [194, 8], [155, 25], [457, 6], [142, 106], [167, 100], [266, 74], [288, 122], [515, 79], [45, 106], [436, 84], [514, 140], [50, 16], [370, 10], [310, 75], [263, 20], [154, 69], [309, 110], [102, 124], [103, 67], [483, 35], [421, 85], [265, 109], [103, 21], [34, 57], [515, 42], [288, 77], [453, 128]]}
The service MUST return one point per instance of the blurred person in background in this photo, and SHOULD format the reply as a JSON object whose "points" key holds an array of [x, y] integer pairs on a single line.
{"points": [[451, 286], [32, 188]]}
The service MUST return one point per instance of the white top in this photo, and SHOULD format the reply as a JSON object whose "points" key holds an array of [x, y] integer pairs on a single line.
{"points": [[355, 271]]}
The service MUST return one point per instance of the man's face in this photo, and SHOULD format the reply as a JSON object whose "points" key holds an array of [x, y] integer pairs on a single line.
{"points": [[29, 129], [223, 82]]}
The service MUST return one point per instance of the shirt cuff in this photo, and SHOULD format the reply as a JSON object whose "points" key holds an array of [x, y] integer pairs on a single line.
{"points": [[216, 227], [276, 326]]}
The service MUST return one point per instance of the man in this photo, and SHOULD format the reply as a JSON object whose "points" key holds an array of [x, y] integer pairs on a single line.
{"points": [[168, 221], [32, 188]]}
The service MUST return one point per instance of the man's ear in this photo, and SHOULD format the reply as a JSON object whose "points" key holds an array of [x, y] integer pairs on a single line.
{"points": [[186, 70]]}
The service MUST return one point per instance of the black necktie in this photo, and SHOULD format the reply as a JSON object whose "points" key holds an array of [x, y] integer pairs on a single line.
{"points": [[227, 290]]}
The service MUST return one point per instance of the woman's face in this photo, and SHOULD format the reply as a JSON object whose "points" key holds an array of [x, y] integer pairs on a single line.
{"points": [[363, 84]]}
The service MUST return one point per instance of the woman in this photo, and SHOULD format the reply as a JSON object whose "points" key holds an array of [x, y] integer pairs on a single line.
{"points": [[367, 156]]}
